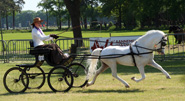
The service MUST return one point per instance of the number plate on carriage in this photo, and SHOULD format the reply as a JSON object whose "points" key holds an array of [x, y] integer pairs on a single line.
{"points": [[41, 57]]}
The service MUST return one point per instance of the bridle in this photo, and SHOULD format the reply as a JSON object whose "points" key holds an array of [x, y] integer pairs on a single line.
{"points": [[162, 43]]}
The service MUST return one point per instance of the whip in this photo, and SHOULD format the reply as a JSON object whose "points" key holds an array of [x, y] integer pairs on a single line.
{"points": [[63, 32]]}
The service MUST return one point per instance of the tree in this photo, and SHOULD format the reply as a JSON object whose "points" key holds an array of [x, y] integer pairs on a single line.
{"points": [[5, 8], [8, 6], [46, 5], [113, 7], [73, 7], [54, 7], [89, 9], [16, 7]]}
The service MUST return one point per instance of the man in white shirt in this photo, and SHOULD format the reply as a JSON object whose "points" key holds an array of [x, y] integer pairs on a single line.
{"points": [[38, 36]]}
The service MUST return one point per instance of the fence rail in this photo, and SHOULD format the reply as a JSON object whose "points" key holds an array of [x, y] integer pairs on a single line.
{"points": [[18, 50]]}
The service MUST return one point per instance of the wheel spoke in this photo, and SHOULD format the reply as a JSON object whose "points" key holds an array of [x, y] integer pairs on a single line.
{"points": [[13, 80], [57, 79], [79, 74]]}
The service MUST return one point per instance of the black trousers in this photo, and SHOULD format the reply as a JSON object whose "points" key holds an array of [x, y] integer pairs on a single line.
{"points": [[56, 55]]}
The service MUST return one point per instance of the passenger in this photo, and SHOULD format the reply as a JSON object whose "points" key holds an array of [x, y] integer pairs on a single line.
{"points": [[38, 36]]}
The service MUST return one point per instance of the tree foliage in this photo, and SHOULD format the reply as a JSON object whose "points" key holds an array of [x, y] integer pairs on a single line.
{"points": [[142, 13], [55, 8], [128, 14], [8, 7]]}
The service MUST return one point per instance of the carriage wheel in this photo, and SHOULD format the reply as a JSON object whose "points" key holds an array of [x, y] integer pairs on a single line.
{"points": [[15, 80], [36, 77], [79, 74], [60, 79]]}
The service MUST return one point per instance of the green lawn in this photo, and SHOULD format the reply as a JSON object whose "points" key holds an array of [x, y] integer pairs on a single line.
{"points": [[27, 35], [154, 88]]}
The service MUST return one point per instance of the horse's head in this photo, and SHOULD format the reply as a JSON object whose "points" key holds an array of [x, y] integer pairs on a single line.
{"points": [[174, 28], [153, 40], [161, 44]]}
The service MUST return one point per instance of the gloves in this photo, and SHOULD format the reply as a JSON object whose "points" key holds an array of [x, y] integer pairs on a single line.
{"points": [[54, 36]]}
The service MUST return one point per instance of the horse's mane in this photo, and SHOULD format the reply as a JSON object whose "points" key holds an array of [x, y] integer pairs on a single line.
{"points": [[151, 34]]}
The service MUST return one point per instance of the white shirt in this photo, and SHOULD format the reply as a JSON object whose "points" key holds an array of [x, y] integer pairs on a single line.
{"points": [[38, 37]]}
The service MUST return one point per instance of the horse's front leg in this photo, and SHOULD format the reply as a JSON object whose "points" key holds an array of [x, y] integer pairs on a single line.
{"points": [[142, 72], [155, 65]]}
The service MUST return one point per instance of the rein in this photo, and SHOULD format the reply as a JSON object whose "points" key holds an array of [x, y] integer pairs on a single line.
{"points": [[148, 48], [89, 56], [162, 42]]}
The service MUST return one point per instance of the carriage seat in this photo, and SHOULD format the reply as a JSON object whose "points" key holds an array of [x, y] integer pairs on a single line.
{"points": [[42, 54], [38, 51]]}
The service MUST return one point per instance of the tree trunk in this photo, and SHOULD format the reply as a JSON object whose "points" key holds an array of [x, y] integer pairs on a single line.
{"points": [[74, 11], [82, 23], [47, 18], [60, 23], [7, 21], [69, 22], [13, 19], [85, 23], [119, 20]]}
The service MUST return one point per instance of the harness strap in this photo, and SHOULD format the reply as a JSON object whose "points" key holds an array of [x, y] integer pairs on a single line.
{"points": [[132, 54], [137, 48], [99, 56]]}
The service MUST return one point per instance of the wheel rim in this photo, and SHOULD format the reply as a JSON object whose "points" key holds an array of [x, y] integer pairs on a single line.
{"points": [[36, 77], [79, 74], [60, 80], [15, 80]]}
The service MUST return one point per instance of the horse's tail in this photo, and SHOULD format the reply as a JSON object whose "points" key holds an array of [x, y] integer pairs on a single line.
{"points": [[92, 63]]}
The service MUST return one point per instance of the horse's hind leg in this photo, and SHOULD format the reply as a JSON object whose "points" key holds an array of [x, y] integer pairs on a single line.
{"points": [[155, 65], [114, 74], [101, 69]]}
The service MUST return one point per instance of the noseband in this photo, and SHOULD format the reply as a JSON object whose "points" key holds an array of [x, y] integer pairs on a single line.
{"points": [[163, 43]]}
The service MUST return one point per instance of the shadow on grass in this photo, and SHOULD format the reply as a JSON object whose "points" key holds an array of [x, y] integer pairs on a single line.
{"points": [[112, 91], [79, 91], [40, 92]]}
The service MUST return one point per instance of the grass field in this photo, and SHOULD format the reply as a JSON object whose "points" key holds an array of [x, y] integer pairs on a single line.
{"points": [[27, 35], [154, 88]]}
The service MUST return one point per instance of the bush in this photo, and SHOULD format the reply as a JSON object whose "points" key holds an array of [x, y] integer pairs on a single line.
{"points": [[112, 28], [111, 24]]}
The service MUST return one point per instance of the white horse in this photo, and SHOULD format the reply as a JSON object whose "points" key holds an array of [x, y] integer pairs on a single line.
{"points": [[153, 40]]}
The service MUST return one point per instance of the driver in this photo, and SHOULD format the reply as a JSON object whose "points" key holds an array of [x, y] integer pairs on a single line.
{"points": [[38, 36]]}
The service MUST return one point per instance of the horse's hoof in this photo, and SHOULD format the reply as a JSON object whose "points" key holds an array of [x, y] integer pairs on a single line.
{"points": [[87, 85], [127, 86], [133, 78], [168, 77]]}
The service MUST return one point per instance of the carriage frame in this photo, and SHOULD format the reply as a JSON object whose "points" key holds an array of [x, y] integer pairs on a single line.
{"points": [[61, 78]]}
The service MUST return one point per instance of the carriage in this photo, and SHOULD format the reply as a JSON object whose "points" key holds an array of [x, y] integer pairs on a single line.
{"points": [[61, 78]]}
